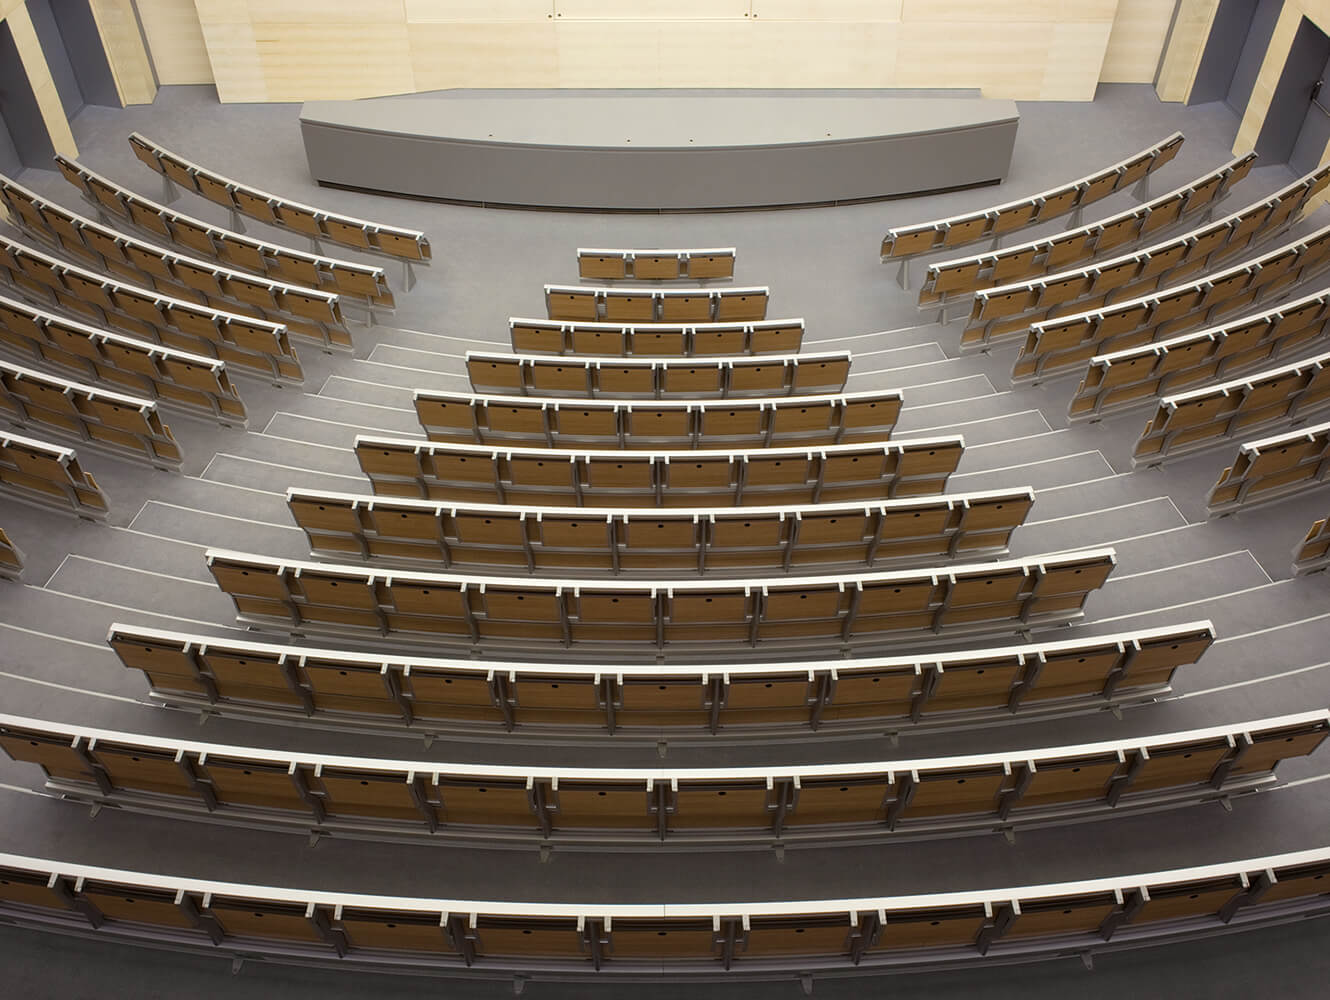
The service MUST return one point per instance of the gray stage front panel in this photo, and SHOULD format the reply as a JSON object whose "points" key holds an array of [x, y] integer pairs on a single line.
{"points": [[659, 152]]}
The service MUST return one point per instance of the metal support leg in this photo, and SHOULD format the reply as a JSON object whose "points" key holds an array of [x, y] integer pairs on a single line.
{"points": [[1141, 192], [315, 246], [1075, 221], [408, 276], [169, 192], [237, 223], [903, 275]]}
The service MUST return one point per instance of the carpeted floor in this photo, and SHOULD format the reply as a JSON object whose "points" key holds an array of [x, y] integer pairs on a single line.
{"points": [[146, 567]]}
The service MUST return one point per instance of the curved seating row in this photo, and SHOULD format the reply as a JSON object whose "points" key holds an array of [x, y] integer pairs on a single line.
{"points": [[604, 805], [656, 265], [711, 477], [610, 423], [1056, 346], [11, 558], [1192, 421], [659, 378], [190, 381], [682, 940], [469, 610], [313, 271], [987, 223], [405, 244], [1272, 468], [552, 336], [1001, 312], [1312, 554], [1122, 379], [255, 345], [49, 475], [469, 537], [948, 280], [645, 305], [305, 311], [124, 424], [1085, 673]]}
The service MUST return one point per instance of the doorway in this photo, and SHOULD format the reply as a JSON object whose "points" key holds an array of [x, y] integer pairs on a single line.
{"points": [[1298, 124]]}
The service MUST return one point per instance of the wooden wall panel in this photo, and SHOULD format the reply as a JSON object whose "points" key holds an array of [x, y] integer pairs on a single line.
{"points": [[1183, 56], [479, 10], [125, 51], [1137, 41], [1029, 49], [39, 77], [176, 40]]}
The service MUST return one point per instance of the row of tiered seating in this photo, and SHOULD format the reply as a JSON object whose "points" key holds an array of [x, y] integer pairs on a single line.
{"points": [[971, 227], [842, 418], [190, 381], [670, 305], [11, 558], [831, 473], [1198, 419], [1063, 345], [347, 278], [49, 475], [764, 375], [948, 280], [461, 608], [344, 687], [655, 265], [486, 538], [317, 224], [1008, 311], [124, 424], [1272, 468], [547, 336], [307, 312], [1312, 554], [630, 805], [255, 345], [380, 932], [1122, 379]]}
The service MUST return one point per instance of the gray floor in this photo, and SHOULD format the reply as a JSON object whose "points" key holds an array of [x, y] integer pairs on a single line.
{"points": [[146, 567]]}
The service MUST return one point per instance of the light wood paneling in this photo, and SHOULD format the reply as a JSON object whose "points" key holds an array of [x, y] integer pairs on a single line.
{"points": [[176, 40], [828, 10], [337, 60], [650, 10], [39, 77], [1028, 49], [1183, 56], [1263, 91], [1137, 41], [479, 10], [125, 52], [484, 54]]}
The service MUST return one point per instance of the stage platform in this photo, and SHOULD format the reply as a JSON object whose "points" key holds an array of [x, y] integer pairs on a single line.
{"points": [[659, 152]]}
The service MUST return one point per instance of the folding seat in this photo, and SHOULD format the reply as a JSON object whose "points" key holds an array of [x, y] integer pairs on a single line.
{"points": [[143, 769], [646, 424], [571, 423], [563, 303], [627, 380], [616, 616], [740, 304], [964, 231], [960, 277], [588, 804], [690, 380], [251, 204], [1056, 203], [1163, 215], [1019, 264], [603, 264], [971, 790], [489, 373], [1015, 217], [721, 805], [719, 339], [350, 234], [369, 929], [533, 336], [628, 306], [953, 927], [1067, 249], [710, 265], [820, 375], [545, 376], [651, 341], [691, 307], [814, 419], [249, 918], [905, 242]]}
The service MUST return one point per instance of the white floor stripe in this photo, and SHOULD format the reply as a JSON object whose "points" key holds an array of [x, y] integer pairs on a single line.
{"points": [[211, 585]]}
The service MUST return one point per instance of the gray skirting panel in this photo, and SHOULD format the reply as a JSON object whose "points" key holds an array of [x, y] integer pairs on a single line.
{"points": [[659, 153]]}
